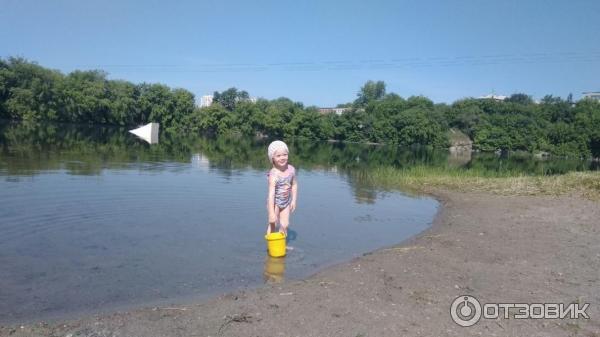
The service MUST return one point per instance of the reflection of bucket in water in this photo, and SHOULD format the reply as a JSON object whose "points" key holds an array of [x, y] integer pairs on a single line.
{"points": [[276, 244], [274, 269]]}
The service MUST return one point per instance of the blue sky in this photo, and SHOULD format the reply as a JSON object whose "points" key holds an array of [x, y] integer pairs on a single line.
{"points": [[318, 52]]}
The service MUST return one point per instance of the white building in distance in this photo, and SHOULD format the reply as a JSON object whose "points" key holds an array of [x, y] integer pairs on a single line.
{"points": [[206, 100], [337, 111], [493, 96], [592, 95]]}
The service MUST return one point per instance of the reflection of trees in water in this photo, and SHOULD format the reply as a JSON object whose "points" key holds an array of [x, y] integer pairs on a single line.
{"points": [[362, 187], [29, 148]]}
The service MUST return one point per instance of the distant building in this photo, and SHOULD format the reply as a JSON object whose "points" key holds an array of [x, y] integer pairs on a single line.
{"points": [[592, 95], [206, 101], [494, 97], [337, 111]]}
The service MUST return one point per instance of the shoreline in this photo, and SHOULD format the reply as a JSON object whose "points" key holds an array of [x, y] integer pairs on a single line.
{"points": [[529, 249]]}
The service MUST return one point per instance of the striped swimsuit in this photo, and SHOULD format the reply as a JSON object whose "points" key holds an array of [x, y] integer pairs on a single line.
{"points": [[283, 187]]}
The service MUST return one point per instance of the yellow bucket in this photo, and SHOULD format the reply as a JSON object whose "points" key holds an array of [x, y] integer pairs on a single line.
{"points": [[276, 244]]}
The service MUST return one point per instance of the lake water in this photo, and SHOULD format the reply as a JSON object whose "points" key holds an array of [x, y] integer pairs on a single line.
{"points": [[93, 219], [97, 220]]}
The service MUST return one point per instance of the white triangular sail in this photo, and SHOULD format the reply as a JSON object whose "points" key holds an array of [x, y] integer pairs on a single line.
{"points": [[148, 132]]}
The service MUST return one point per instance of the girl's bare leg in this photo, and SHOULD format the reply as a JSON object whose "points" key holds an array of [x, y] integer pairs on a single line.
{"points": [[284, 219]]}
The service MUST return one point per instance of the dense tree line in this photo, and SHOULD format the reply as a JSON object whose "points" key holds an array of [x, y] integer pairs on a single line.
{"points": [[374, 117], [31, 92], [563, 127], [556, 126]]}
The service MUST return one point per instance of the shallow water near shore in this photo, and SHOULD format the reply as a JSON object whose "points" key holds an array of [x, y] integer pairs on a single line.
{"points": [[131, 236], [91, 225]]}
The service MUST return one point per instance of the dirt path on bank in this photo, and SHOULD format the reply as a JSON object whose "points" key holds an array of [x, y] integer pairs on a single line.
{"points": [[498, 249]]}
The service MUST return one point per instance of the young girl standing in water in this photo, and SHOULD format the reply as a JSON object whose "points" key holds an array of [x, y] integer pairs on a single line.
{"points": [[283, 188]]}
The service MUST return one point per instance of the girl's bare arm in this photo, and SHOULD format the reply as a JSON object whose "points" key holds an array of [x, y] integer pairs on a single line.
{"points": [[294, 193], [271, 200]]}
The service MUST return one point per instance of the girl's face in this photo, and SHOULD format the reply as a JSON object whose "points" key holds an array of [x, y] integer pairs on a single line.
{"points": [[280, 158]]}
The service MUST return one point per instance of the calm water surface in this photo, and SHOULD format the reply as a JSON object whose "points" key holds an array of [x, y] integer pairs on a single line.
{"points": [[102, 222]]}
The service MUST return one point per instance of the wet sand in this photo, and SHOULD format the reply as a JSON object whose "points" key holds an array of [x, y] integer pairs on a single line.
{"points": [[498, 249]]}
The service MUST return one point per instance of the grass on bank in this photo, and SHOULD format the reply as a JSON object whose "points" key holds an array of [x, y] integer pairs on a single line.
{"points": [[423, 178]]}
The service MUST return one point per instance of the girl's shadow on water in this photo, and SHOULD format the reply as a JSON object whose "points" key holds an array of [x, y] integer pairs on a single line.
{"points": [[291, 236]]}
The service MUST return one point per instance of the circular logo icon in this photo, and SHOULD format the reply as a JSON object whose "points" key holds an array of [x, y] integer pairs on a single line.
{"points": [[465, 310]]}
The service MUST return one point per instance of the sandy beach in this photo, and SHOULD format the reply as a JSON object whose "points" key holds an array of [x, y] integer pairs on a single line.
{"points": [[498, 249]]}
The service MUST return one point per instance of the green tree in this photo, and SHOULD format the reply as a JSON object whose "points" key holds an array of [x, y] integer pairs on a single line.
{"points": [[369, 92], [213, 119], [520, 98], [278, 115], [28, 90], [587, 124], [123, 97], [83, 98], [230, 97], [556, 109], [247, 118], [158, 103], [416, 126]]}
